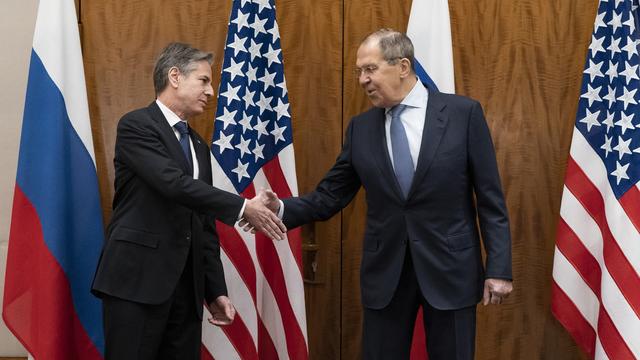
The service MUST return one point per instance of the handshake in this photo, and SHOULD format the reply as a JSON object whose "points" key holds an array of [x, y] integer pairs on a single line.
{"points": [[260, 215]]}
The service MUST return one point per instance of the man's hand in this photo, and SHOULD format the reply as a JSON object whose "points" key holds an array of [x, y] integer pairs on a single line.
{"points": [[270, 200], [222, 311], [259, 215], [496, 290]]}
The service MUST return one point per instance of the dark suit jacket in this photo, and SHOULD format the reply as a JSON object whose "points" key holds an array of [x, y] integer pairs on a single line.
{"points": [[437, 220], [159, 213]]}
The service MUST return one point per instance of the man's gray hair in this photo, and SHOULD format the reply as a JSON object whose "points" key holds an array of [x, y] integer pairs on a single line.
{"points": [[180, 55], [393, 44]]}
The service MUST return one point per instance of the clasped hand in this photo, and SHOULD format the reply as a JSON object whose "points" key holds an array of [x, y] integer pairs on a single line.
{"points": [[259, 214]]}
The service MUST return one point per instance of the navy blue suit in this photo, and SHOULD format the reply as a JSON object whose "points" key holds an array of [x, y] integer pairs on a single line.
{"points": [[456, 182]]}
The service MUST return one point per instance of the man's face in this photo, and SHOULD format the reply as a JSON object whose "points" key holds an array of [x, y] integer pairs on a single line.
{"points": [[380, 80], [194, 89]]}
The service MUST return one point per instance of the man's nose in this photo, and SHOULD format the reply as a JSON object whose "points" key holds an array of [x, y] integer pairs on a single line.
{"points": [[363, 79], [209, 90]]}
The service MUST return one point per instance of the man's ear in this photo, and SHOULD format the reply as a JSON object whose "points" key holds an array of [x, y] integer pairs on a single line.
{"points": [[405, 67], [174, 76]]}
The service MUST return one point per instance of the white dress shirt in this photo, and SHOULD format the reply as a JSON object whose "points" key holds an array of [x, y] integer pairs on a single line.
{"points": [[173, 119], [413, 119]]}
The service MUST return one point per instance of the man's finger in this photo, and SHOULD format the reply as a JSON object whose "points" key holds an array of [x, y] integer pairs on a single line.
{"points": [[278, 222], [495, 299], [486, 296]]}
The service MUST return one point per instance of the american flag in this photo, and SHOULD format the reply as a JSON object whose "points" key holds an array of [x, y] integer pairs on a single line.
{"points": [[596, 287], [252, 149]]}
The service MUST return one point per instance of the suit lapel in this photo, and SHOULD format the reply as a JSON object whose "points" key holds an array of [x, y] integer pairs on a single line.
{"points": [[381, 152], [169, 137], [434, 127], [201, 155]]}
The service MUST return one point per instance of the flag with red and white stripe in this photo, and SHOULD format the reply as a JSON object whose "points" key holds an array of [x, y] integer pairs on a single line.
{"points": [[252, 148], [596, 286]]}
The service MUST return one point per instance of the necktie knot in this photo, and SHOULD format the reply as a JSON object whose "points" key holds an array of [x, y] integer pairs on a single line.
{"points": [[182, 127], [396, 111]]}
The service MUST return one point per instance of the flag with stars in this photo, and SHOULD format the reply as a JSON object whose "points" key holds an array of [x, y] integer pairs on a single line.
{"points": [[252, 149], [596, 286]]}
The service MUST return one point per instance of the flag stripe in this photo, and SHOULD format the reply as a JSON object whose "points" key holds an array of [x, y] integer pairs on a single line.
{"points": [[578, 255], [275, 176], [205, 354], [600, 354], [235, 249], [626, 322], [615, 260], [570, 317], [234, 246], [612, 342], [285, 249], [238, 253], [568, 279], [241, 339], [53, 331], [582, 224], [272, 269], [630, 202]]}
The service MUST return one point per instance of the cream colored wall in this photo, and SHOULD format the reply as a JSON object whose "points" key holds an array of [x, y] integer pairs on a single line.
{"points": [[17, 20]]}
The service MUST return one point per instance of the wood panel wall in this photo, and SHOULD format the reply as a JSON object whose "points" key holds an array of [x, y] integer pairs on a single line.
{"points": [[521, 59]]}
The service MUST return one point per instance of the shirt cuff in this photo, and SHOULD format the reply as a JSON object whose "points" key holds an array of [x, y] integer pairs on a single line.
{"points": [[280, 209], [242, 210]]}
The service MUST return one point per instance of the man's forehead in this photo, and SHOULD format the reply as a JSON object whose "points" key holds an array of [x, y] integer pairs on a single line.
{"points": [[202, 67], [368, 55]]}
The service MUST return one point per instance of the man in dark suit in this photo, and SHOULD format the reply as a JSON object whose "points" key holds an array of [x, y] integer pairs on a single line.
{"points": [[427, 163], [161, 259]]}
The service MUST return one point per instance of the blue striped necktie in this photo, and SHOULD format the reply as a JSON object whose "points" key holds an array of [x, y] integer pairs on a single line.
{"points": [[402, 161], [183, 129]]}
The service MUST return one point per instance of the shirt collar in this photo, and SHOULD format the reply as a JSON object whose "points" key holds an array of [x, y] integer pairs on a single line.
{"points": [[416, 98], [171, 117]]}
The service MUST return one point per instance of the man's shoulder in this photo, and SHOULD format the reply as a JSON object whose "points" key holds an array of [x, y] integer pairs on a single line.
{"points": [[143, 112], [371, 113], [453, 99], [139, 116]]}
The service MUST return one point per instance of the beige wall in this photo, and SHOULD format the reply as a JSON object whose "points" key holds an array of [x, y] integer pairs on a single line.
{"points": [[17, 20]]}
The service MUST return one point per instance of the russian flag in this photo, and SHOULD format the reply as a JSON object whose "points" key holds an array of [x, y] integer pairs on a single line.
{"points": [[56, 224], [429, 29]]}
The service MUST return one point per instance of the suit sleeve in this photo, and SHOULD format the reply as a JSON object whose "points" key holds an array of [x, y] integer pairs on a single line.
{"points": [[490, 203], [139, 147], [333, 193]]}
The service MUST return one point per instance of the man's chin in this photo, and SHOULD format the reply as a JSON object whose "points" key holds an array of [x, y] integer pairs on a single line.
{"points": [[375, 101]]}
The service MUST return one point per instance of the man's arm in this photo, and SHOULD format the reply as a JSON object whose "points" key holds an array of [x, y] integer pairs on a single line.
{"points": [[333, 193], [491, 207], [139, 147]]}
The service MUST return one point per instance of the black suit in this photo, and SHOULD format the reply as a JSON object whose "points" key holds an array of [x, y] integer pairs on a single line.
{"points": [[162, 236], [436, 224]]}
